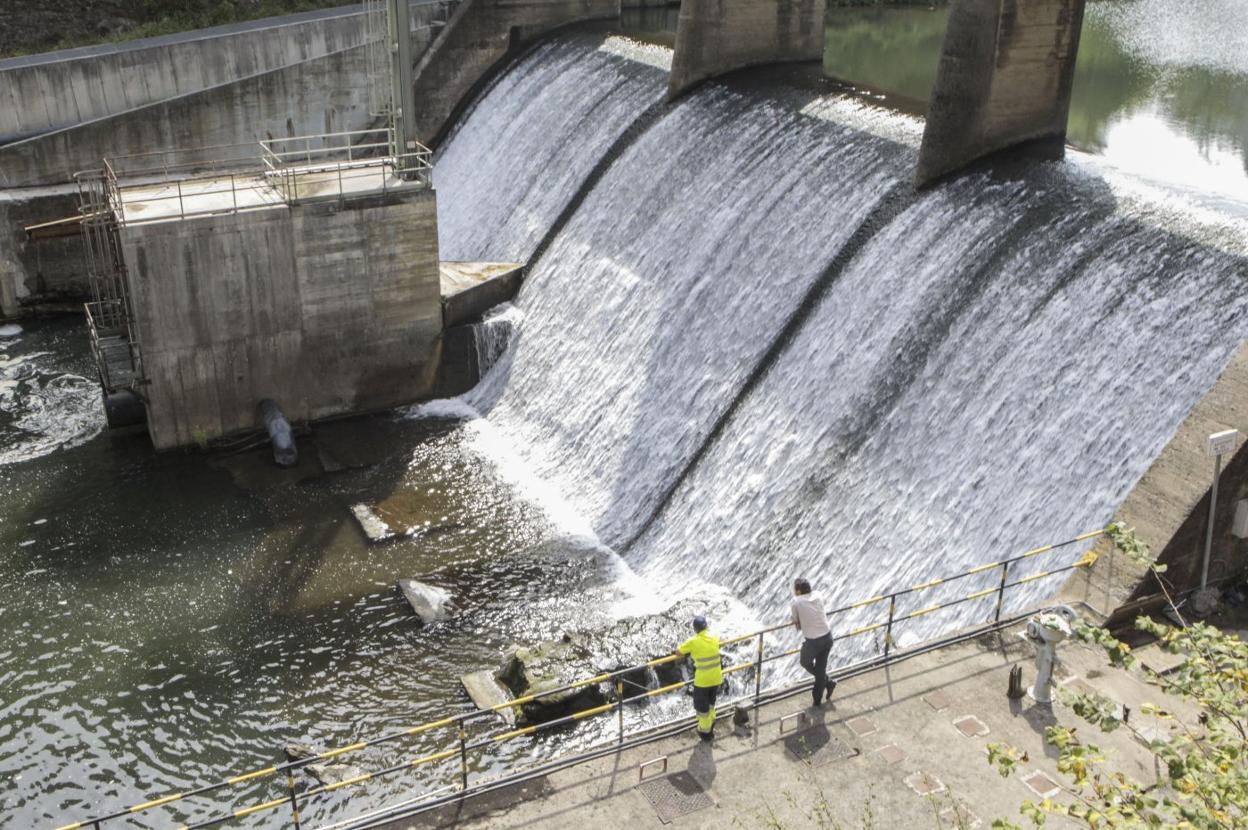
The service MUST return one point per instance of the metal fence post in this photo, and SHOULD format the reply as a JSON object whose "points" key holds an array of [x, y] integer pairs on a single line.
{"points": [[463, 759], [619, 694], [1005, 570], [888, 629], [294, 798], [181, 207], [758, 678]]}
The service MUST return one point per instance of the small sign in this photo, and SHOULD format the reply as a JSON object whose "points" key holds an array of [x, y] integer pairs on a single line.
{"points": [[1222, 443]]}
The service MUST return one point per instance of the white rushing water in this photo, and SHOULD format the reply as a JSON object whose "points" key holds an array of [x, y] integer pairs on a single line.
{"points": [[994, 369], [500, 182]]}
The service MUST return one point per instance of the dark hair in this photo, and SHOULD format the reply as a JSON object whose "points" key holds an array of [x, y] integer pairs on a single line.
{"points": [[801, 586]]}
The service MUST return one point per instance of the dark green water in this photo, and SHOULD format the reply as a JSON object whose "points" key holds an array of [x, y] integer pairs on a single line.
{"points": [[169, 618], [1161, 89]]}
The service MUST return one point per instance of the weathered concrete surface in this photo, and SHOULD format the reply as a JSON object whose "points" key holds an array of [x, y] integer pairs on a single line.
{"points": [[327, 308], [324, 95], [486, 692], [469, 289], [478, 36], [328, 93], [52, 269], [53, 90], [718, 36], [1169, 507], [1004, 78], [901, 722]]}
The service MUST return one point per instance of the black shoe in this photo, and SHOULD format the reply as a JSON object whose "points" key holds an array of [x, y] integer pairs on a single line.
{"points": [[706, 736], [827, 692]]}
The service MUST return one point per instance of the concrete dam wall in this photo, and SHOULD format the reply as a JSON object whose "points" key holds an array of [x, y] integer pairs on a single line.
{"points": [[53, 90]]}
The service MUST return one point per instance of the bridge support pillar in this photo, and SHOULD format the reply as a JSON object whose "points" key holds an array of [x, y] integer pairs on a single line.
{"points": [[1005, 75], [718, 36], [479, 35]]}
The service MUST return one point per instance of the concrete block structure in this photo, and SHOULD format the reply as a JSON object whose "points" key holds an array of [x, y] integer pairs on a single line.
{"points": [[1004, 78], [479, 36], [718, 36], [314, 283]]}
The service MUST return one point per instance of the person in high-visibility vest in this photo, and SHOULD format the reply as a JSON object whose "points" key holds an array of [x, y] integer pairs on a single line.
{"points": [[708, 674]]}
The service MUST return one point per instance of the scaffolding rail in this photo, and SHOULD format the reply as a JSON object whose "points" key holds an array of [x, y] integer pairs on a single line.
{"points": [[455, 726]]}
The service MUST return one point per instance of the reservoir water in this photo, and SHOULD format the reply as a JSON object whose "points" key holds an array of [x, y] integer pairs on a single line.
{"points": [[745, 348]]}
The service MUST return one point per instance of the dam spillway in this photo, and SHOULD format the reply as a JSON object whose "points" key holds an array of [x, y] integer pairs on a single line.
{"points": [[744, 347], [983, 369]]}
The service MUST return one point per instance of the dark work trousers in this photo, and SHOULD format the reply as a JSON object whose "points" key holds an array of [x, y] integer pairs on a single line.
{"points": [[814, 659]]}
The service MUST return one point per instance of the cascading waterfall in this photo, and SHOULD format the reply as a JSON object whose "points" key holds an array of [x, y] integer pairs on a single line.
{"points": [[525, 147], [985, 373]]}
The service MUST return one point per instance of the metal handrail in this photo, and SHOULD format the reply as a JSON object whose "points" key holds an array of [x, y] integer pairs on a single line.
{"points": [[295, 798]]}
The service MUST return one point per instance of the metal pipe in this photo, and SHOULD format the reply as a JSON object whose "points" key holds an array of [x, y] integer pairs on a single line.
{"points": [[1213, 507]]}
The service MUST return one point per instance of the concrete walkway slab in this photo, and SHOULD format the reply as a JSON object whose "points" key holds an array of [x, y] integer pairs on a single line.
{"points": [[913, 769]]}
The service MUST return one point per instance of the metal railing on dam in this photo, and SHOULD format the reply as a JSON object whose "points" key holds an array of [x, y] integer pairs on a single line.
{"points": [[458, 783]]}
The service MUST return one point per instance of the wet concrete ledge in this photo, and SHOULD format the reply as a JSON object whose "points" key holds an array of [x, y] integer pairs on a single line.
{"points": [[469, 289]]}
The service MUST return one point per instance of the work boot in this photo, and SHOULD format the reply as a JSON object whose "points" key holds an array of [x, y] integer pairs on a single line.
{"points": [[706, 736]]}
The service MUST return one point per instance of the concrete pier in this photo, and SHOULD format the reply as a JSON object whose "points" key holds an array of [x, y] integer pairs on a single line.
{"points": [[718, 36], [326, 305], [1004, 78]]}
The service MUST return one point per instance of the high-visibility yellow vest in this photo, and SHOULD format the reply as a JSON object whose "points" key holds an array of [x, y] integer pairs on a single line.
{"points": [[703, 647]]}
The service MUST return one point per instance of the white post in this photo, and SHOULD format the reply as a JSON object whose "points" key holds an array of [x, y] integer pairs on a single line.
{"points": [[1219, 444]]}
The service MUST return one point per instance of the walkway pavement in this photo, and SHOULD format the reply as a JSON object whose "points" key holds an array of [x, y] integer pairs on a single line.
{"points": [[900, 747]]}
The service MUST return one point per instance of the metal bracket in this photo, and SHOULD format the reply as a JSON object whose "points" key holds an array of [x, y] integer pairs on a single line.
{"points": [[800, 717], [641, 768]]}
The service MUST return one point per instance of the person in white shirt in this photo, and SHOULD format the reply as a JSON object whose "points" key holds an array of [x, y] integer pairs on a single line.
{"points": [[809, 618]]}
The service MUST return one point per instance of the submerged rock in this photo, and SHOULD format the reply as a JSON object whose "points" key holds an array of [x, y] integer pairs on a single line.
{"points": [[429, 602], [324, 773]]}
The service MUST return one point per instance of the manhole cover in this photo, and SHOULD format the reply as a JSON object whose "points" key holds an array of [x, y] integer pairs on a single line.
{"points": [[817, 746], [675, 795]]}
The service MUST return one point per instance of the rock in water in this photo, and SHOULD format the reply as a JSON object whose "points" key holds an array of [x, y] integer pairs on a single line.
{"points": [[430, 603], [374, 527], [12, 330], [323, 773]]}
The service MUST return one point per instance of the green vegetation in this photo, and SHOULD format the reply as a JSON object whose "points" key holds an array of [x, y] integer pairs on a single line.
{"points": [[67, 24], [1202, 767]]}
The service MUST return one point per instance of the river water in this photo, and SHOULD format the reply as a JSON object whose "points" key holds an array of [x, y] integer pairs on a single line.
{"points": [[745, 349]]}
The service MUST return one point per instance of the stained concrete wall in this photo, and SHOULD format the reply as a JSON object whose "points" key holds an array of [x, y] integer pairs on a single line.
{"points": [[324, 95], [54, 269], [327, 308], [718, 36], [1169, 506], [478, 36], [1004, 78], [53, 90]]}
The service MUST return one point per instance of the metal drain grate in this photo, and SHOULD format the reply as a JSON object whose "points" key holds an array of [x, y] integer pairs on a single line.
{"points": [[675, 795], [817, 746]]}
